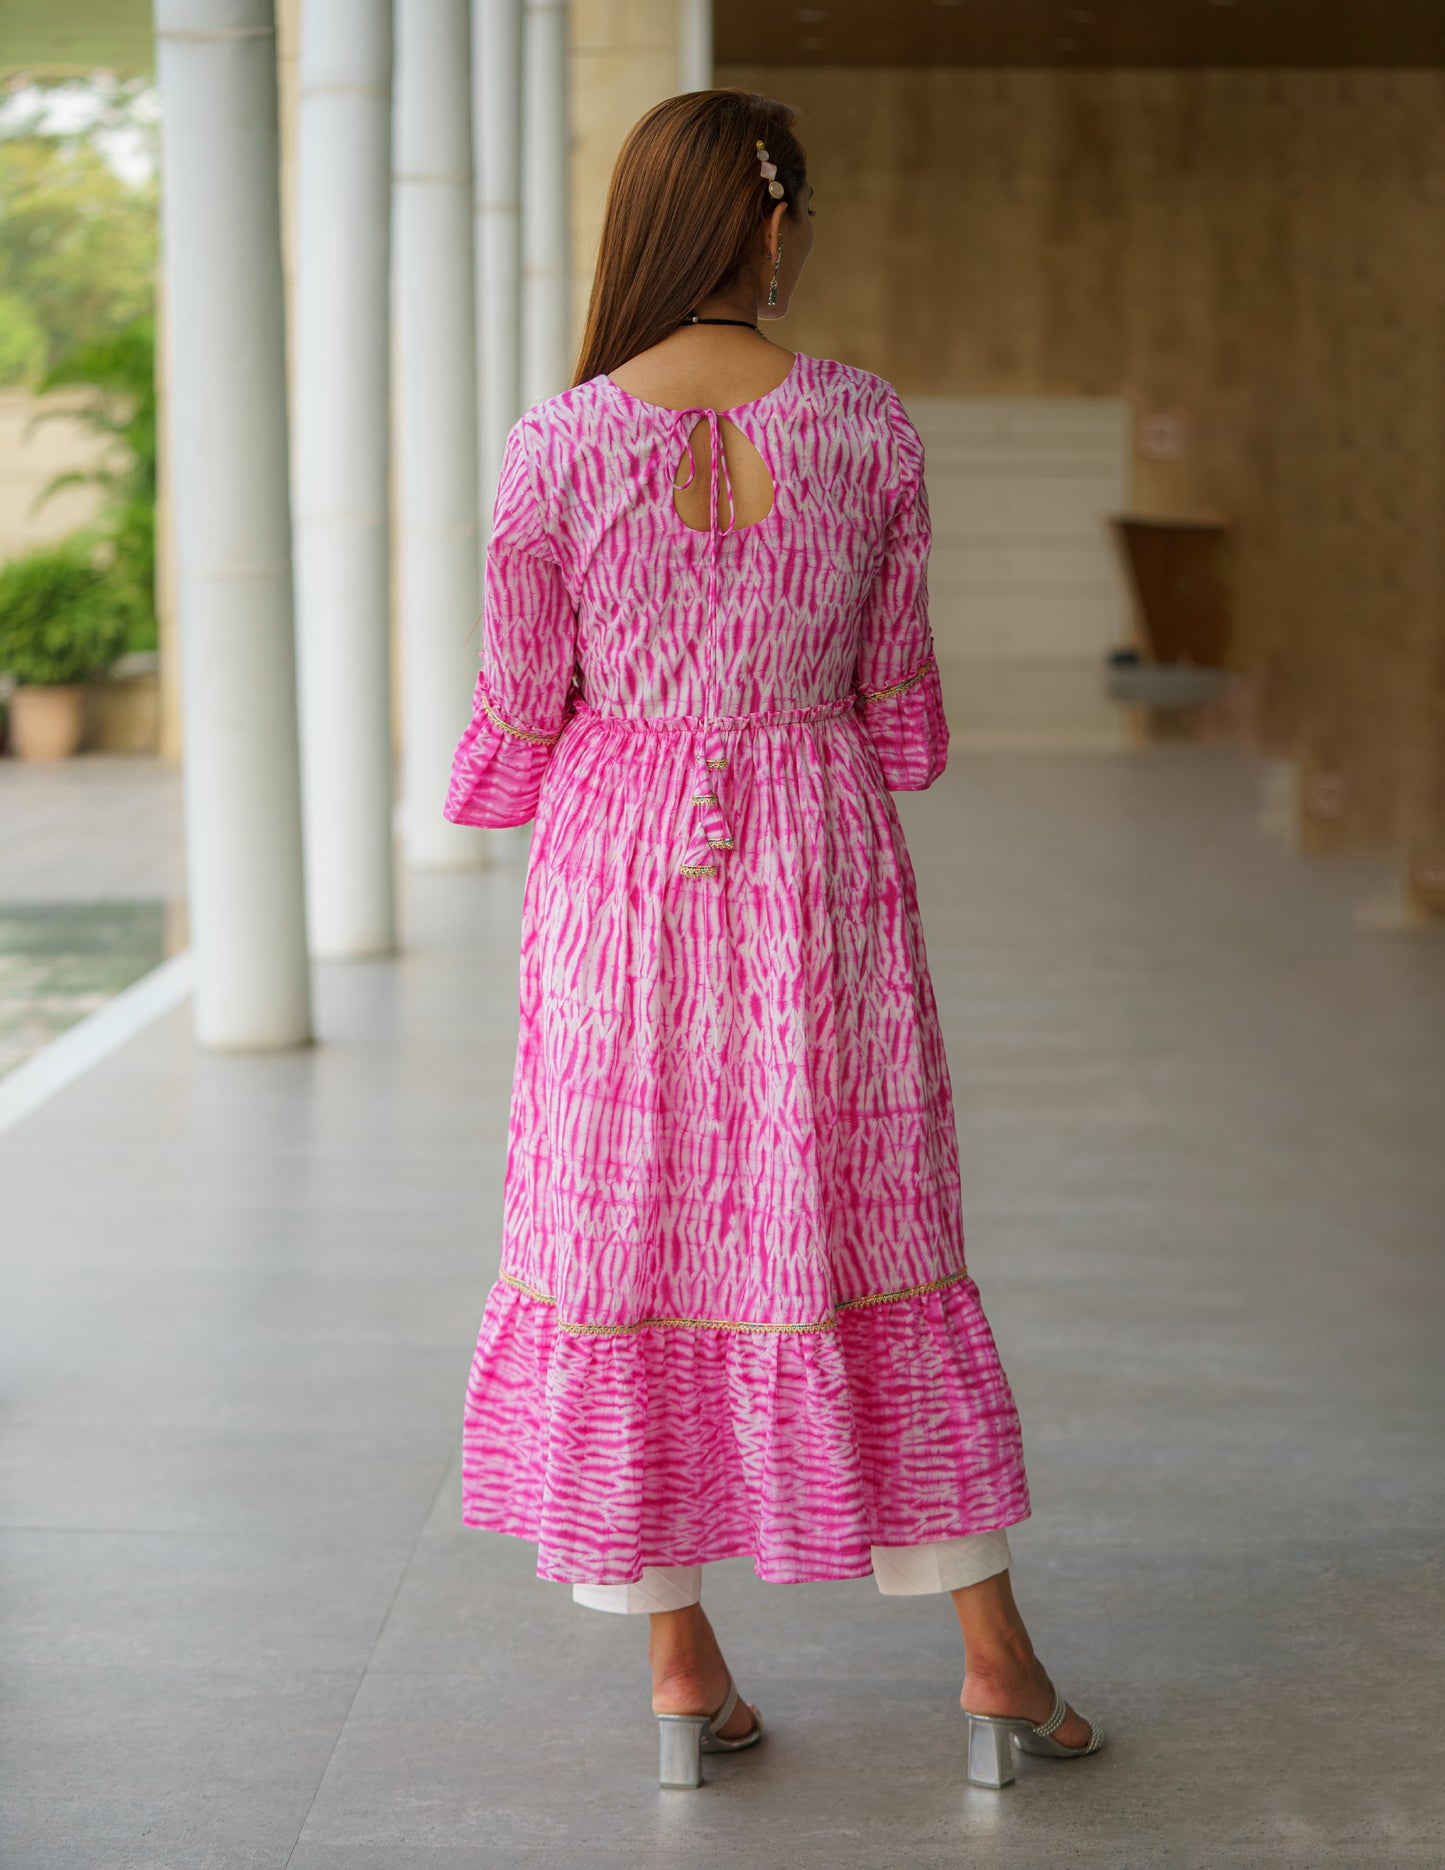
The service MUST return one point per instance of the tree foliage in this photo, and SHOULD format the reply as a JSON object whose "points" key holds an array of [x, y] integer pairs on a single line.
{"points": [[78, 245]]}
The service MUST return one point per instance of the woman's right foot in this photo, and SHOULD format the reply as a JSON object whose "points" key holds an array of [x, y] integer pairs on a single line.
{"points": [[1003, 1675], [1020, 1688]]}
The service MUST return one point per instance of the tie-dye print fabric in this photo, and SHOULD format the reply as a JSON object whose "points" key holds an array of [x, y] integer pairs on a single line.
{"points": [[734, 1315]]}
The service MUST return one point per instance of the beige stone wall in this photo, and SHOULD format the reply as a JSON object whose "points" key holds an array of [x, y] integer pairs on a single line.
{"points": [[1257, 253], [624, 60], [31, 455]]}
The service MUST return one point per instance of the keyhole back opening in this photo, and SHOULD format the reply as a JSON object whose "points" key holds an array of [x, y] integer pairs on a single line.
{"points": [[747, 475]]}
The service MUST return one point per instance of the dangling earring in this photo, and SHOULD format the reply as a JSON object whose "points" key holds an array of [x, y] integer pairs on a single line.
{"points": [[768, 169]]}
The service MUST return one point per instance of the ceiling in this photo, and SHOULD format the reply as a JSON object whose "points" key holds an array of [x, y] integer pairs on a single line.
{"points": [[58, 36], [1068, 33]]}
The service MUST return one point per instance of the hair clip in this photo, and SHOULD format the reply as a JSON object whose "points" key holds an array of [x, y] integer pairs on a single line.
{"points": [[769, 172]]}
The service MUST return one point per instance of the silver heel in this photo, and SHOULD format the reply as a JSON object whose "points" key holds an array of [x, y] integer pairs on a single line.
{"points": [[680, 1762], [990, 1758], [686, 1737]]}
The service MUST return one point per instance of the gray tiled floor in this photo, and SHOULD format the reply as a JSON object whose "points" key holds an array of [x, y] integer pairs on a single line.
{"points": [[100, 827], [241, 1627]]}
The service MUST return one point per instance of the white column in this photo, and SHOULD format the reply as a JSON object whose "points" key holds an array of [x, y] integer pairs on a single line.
{"points": [[436, 407], [497, 146], [546, 204], [226, 372], [342, 503], [694, 45]]}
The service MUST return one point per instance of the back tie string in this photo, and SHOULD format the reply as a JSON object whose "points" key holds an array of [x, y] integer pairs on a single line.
{"points": [[712, 835]]}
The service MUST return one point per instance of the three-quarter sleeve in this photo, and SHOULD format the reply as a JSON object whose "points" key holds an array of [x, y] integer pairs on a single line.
{"points": [[524, 686], [899, 696]]}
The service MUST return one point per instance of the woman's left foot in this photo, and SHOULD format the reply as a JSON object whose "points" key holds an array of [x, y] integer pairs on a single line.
{"points": [[691, 1693], [689, 1675]]}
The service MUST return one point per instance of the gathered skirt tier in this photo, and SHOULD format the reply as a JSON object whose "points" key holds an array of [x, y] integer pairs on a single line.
{"points": [[734, 1315]]}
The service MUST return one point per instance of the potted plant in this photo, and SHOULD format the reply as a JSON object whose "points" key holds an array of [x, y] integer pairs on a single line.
{"points": [[63, 619]]}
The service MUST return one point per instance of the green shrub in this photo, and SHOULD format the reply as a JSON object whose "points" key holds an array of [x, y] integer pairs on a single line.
{"points": [[63, 618]]}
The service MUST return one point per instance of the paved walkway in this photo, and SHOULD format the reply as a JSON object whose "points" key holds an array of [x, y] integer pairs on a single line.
{"points": [[241, 1627], [92, 889], [102, 827]]}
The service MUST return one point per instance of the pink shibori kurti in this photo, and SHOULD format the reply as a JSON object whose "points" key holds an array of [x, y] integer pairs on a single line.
{"points": [[734, 1314]]}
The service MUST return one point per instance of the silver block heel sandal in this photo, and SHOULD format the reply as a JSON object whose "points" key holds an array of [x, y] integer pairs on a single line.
{"points": [[686, 1737], [990, 1758]]}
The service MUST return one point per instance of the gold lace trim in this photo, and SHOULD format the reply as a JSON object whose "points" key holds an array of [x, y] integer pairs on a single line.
{"points": [[698, 870], [897, 688], [704, 798], [718, 765], [732, 1324], [522, 733]]}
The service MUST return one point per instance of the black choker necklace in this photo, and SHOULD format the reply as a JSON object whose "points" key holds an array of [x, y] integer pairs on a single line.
{"points": [[693, 319]]}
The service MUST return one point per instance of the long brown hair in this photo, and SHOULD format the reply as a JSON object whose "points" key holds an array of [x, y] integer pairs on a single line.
{"points": [[683, 211]]}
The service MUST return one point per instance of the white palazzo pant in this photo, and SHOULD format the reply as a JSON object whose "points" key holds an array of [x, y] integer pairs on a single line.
{"points": [[901, 1571]]}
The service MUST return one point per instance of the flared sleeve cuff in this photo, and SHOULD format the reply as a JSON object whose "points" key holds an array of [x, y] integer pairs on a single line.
{"points": [[526, 682], [905, 722], [896, 683], [498, 766]]}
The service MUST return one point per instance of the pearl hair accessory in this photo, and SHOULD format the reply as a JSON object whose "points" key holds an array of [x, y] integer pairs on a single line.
{"points": [[769, 171]]}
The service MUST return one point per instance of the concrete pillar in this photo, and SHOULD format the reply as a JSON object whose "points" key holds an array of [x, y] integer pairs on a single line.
{"points": [[342, 507], [226, 372], [437, 529], [497, 147], [694, 45], [546, 216]]}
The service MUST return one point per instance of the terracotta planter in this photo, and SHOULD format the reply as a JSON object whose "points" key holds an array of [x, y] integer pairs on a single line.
{"points": [[46, 723], [122, 707]]}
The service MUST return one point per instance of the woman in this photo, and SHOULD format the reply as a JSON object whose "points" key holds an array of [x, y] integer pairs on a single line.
{"points": [[733, 1314]]}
